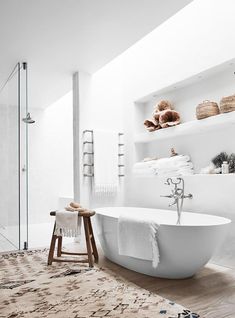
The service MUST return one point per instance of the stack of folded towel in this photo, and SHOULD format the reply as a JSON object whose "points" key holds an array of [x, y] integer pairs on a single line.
{"points": [[144, 168], [68, 222], [179, 165]]}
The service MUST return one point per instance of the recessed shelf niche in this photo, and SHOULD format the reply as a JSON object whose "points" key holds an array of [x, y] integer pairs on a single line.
{"points": [[201, 139]]}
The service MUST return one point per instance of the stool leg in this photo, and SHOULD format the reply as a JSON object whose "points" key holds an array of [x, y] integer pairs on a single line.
{"points": [[88, 241], [94, 248], [59, 246], [52, 248]]}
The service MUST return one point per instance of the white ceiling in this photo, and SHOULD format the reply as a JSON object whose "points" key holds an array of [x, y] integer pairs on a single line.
{"points": [[59, 37]]}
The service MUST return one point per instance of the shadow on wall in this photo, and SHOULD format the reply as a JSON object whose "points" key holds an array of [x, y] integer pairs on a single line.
{"points": [[50, 158]]}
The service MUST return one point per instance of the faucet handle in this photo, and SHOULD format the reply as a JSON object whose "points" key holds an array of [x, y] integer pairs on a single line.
{"points": [[188, 196], [167, 196], [168, 181]]}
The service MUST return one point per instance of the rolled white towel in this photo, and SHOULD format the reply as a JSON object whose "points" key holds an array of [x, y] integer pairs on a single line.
{"points": [[165, 168], [146, 171], [188, 164], [143, 168], [166, 163], [144, 164], [182, 158], [174, 171], [163, 162], [174, 166]]}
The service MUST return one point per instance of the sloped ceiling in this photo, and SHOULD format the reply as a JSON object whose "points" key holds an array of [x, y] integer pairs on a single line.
{"points": [[59, 37]]}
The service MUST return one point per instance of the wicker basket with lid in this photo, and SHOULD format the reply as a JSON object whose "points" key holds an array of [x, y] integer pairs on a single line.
{"points": [[207, 109], [227, 104]]}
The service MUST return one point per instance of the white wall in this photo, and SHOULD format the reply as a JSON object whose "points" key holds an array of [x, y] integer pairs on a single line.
{"points": [[99, 110], [50, 159], [195, 39]]}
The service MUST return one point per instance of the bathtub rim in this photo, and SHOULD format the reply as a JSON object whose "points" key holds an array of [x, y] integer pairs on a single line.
{"points": [[224, 221]]}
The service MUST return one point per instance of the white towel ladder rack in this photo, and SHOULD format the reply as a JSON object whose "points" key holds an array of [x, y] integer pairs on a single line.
{"points": [[88, 154]]}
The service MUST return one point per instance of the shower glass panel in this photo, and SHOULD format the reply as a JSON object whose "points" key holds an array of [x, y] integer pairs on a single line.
{"points": [[13, 161]]}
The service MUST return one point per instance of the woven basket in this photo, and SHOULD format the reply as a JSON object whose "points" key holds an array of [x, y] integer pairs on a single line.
{"points": [[227, 104], [207, 109]]}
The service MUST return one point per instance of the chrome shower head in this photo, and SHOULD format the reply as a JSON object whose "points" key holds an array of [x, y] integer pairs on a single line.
{"points": [[28, 119]]}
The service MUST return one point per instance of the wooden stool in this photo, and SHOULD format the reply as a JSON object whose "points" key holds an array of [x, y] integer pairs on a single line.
{"points": [[90, 242]]}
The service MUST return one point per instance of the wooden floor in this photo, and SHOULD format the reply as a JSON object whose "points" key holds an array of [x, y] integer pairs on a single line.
{"points": [[210, 293]]}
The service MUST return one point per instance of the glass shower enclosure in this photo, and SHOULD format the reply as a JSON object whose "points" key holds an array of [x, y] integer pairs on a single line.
{"points": [[14, 160]]}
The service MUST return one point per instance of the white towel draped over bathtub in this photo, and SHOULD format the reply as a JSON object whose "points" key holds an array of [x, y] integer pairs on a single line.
{"points": [[137, 237], [105, 162], [67, 224]]}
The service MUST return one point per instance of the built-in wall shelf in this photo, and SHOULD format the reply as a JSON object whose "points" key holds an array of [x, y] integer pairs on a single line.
{"points": [[188, 128]]}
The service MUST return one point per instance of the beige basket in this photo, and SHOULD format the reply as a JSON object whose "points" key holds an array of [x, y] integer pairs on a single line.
{"points": [[227, 104], [207, 109]]}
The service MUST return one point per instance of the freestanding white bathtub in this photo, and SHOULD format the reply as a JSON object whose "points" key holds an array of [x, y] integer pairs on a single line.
{"points": [[183, 249]]}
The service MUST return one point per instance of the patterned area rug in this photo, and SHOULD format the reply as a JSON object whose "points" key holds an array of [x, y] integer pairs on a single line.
{"points": [[30, 288]]}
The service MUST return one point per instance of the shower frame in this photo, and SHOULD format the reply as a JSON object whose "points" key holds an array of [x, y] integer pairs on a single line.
{"points": [[19, 74]]}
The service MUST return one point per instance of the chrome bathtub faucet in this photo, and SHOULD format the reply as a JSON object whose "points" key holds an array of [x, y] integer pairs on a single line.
{"points": [[177, 194]]}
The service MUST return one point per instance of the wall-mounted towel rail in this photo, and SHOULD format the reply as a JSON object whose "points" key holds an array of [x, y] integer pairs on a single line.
{"points": [[87, 130], [91, 131], [88, 175], [88, 152]]}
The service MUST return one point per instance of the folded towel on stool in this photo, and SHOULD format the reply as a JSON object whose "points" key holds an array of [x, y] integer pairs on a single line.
{"points": [[67, 224], [76, 207]]}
